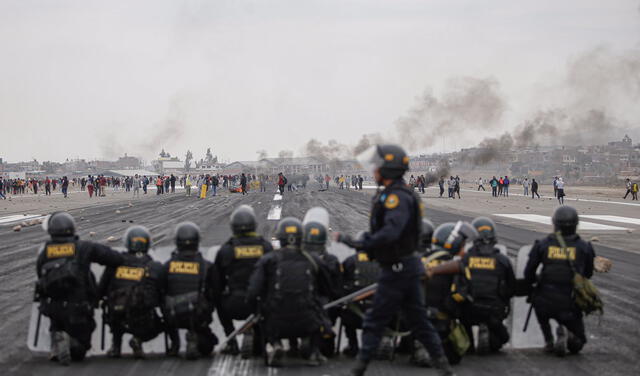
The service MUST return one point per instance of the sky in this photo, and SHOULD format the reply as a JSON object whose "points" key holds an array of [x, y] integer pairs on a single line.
{"points": [[97, 79]]}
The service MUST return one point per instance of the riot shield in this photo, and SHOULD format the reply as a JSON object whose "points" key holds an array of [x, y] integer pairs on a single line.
{"points": [[520, 310]]}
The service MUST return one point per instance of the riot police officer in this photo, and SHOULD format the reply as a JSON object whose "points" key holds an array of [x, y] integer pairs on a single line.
{"points": [[445, 293], [492, 285], [66, 287], [314, 241], [235, 262], [288, 283], [392, 241], [190, 285], [562, 254], [358, 271], [131, 293]]}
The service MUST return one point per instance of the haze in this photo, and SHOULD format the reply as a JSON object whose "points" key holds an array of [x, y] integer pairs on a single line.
{"points": [[98, 79]]}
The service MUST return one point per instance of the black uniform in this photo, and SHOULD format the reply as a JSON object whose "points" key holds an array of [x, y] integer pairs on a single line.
{"points": [[132, 291], [358, 272], [553, 295], [392, 241], [441, 303], [190, 285], [235, 262], [491, 285], [67, 288], [289, 285]]}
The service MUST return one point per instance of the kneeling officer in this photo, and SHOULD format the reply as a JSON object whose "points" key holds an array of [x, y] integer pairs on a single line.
{"points": [[235, 262], [189, 282], [66, 288], [564, 257], [131, 293], [289, 282]]}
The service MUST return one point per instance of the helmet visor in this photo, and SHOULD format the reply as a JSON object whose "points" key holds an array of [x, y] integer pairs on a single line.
{"points": [[370, 159]]}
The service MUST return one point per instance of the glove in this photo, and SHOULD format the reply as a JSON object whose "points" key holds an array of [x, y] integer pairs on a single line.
{"points": [[348, 240]]}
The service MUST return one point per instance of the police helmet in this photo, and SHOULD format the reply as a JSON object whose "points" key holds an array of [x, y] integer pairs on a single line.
{"points": [[486, 229], [451, 236], [391, 160], [243, 219], [315, 233], [137, 239], [60, 224], [426, 233], [187, 236], [289, 231], [565, 219]]}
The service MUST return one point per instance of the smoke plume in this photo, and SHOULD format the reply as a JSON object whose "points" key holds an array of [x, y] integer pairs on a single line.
{"points": [[466, 103]]}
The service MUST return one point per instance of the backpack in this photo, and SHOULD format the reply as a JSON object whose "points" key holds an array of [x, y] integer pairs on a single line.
{"points": [[585, 294], [634, 187], [293, 288], [60, 276]]}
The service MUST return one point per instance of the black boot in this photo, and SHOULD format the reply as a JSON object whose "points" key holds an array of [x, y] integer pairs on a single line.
{"points": [[359, 368], [275, 354], [61, 347], [419, 355], [136, 346], [116, 347], [247, 345], [231, 348], [443, 366], [192, 346], [560, 347]]}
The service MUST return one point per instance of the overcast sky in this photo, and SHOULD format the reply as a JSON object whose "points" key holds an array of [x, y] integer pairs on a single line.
{"points": [[96, 79]]}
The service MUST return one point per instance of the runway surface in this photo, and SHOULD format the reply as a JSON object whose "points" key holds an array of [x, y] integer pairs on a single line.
{"points": [[613, 348]]}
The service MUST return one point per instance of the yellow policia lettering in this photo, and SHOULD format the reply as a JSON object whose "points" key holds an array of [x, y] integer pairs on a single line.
{"points": [[61, 250], [392, 201], [363, 257], [557, 253], [131, 274], [249, 251], [314, 231], [183, 267], [482, 263], [139, 239]]}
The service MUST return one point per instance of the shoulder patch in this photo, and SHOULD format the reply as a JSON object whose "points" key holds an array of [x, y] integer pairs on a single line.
{"points": [[392, 201]]}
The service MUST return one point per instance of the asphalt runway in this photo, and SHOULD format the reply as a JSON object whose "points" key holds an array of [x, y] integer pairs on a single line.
{"points": [[613, 348]]}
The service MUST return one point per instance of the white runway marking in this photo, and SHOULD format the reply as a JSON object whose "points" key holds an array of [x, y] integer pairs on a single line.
{"points": [[613, 218], [274, 213], [488, 192], [547, 221], [18, 218], [277, 197]]}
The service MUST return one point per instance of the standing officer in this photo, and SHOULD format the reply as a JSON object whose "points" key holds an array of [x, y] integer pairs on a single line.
{"points": [[561, 254], [393, 239], [189, 282], [132, 293], [66, 286], [492, 285], [235, 262], [289, 282]]}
